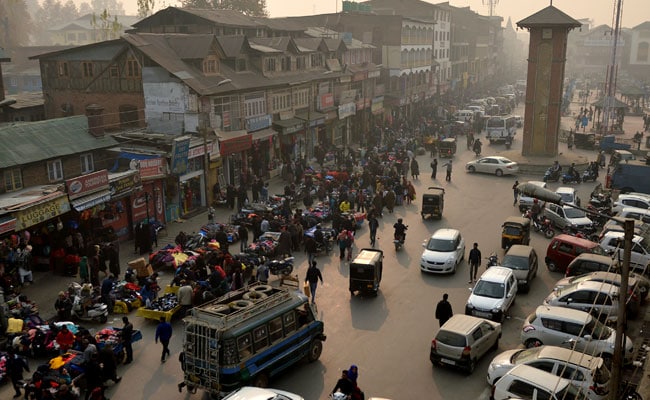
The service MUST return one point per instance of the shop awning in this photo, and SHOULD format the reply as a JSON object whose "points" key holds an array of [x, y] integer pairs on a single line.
{"points": [[315, 118], [291, 125], [234, 142], [84, 203], [263, 134]]}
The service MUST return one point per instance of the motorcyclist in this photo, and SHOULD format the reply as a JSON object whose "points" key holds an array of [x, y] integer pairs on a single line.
{"points": [[400, 230], [573, 172], [319, 238], [535, 210], [556, 168]]}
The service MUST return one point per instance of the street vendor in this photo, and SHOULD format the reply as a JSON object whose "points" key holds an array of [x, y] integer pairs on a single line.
{"points": [[63, 307], [65, 339]]}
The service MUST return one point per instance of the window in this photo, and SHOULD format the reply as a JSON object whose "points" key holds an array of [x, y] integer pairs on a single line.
{"points": [[210, 65], [521, 389], [316, 60], [87, 165], [286, 64], [87, 69], [81, 36], [573, 329], [63, 68], [269, 65], [301, 63], [13, 180], [55, 170], [477, 334], [275, 329], [255, 105], [544, 366], [552, 324], [132, 68], [642, 52], [72, 37], [289, 320], [244, 346], [114, 72], [281, 102], [260, 338]]}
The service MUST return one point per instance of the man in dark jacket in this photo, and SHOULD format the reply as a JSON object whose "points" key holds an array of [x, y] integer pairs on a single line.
{"points": [[15, 366], [243, 237], [164, 334], [443, 310], [344, 385], [313, 275], [127, 336], [474, 260], [222, 237]]}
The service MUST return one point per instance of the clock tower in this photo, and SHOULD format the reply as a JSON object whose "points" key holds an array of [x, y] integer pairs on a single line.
{"points": [[549, 29]]}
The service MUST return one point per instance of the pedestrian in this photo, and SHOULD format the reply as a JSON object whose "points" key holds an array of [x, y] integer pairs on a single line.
{"points": [[434, 168], [211, 215], [343, 243], [262, 273], [311, 248], [185, 297], [105, 292], [443, 310], [164, 334], [63, 306], [448, 176], [350, 243], [15, 365], [344, 384], [515, 192], [373, 224], [569, 139], [127, 336], [474, 259], [242, 232], [109, 364], [415, 169], [94, 378], [312, 277]]}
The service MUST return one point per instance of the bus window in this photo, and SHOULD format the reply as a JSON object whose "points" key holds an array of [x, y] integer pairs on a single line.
{"points": [[304, 316], [289, 322], [275, 329], [244, 346], [260, 337]]}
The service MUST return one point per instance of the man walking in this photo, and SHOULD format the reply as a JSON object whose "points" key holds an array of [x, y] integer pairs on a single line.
{"points": [[443, 310], [164, 334], [434, 168], [127, 336], [474, 259], [448, 165], [313, 275], [515, 192], [14, 366], [373, 224]]}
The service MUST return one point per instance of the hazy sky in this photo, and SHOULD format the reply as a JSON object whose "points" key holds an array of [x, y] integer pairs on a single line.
{"points": [[600, 11]]}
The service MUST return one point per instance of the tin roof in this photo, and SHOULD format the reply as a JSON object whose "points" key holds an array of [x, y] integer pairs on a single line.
{"points": [[24, 143], [86, 22], [550, 17]]}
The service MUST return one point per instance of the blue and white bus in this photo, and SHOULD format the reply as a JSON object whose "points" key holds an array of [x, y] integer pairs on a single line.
{"points": [[500, 128], [248, 336]]}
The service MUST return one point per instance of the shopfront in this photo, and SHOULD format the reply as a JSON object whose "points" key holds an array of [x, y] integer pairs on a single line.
{"points": [[118, 214], [314, 121], [233, 147], [292, 136], [88, 196], [263, 150]]}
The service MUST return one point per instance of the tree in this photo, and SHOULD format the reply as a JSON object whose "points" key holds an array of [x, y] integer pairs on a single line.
{"points": [[107, 25], [50, 14], [85, 8], [15, 24], [113, 7], [145, 8], [253, 8]]}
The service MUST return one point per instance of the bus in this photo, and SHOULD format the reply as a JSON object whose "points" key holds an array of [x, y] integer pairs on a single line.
{"points": [[248, 336], [499, 128]]}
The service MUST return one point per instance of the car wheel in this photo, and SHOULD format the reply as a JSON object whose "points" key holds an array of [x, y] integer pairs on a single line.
{"points": [[551, 266], [471, 169], [530, 343], [472, 365], [498, 172], [315, 350]]}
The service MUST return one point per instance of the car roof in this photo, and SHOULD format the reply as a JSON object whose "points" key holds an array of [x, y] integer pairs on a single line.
{"points": [[595, 286], [562, 312], [595, 258], [519, 250], [463, 323], [565, 189], [636, 196], [496, 274], [621, 235], [573, 357], [255, 393], [502, 158], [445, 233], [630, 209], [575, 240], [538, 377]]}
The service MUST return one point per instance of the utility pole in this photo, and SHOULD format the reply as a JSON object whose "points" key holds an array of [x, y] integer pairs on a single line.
{"points": [[610, 83], [492, 5]]}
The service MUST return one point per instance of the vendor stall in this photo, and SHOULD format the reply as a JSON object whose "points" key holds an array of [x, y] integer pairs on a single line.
{"points": [[165, 306]]}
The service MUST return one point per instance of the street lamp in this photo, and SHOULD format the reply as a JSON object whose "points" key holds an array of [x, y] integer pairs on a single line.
{"points": [[628, 224]]}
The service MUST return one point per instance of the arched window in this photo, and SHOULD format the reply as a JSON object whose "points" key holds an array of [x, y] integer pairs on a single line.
{"points": [[642, 52]]}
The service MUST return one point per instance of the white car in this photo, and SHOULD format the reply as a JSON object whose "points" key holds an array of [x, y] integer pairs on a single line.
{"points": [[255, 393], [444, 250], [493, 294], [612, 241], [569, 195], [639, 200], [597, 298], [496, 165]]}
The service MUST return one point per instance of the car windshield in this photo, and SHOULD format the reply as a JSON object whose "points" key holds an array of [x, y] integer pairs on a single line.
{"points": [[570, 392], [525, 355], [597, 330], [514, 262], [574, 213], [489, 289], [444, 245], [566, 197]]}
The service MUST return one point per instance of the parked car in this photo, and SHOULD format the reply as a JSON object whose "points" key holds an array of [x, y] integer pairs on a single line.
{"points": [[564, 327], [569, 195], [526, 202], [587, 372], [597, 298], [564, 248], [640, 214], [256, 393], [496, 165], [522, 260], [493, 294], [526, 382], [640, 258], [639, 200], [591, 262], [567, 216], [444, 250], [463, 340]]}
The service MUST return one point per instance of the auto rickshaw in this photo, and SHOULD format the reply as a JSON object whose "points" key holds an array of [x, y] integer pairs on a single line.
{"points": [[365, 272], [516, 230], [585, 141], [447, 147], [433, 202]]}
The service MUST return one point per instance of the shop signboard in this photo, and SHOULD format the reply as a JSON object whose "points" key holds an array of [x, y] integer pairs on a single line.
{"points": [[258, 123], [347, 96], [374, 74], [86, 184], [41, 212], [124, 185], [347, 110], [7, 225], [152, 168], [180, 150], [325, 101]]}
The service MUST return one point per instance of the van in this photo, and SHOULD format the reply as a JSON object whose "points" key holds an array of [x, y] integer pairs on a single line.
{"points": [[564, 248], [464, 115], [526, 382], [621, 156], [522, 260]]}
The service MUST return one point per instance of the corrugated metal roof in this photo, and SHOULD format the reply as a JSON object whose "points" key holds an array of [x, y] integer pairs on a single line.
{"points": [[231, 45], [26, 100], [30, 142], [224, 17], [86, 22], [311, 44], [549, 16], [279, 43], [191, 47]]}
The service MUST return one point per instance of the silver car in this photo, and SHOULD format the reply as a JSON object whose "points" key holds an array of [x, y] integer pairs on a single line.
{"points": [[597, 298], [567, 216]]}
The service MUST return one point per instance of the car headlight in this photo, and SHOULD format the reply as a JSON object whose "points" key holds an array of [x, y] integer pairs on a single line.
{"points": [[496, 310], [450, 260], [469, 305]]}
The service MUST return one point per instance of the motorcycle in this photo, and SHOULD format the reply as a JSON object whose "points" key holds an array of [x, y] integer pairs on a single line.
{"points": [[477, 147], [589, 175], [571, 178], [508, 142], [398, 240], [97, 312], [492, 260], [281, 267], [552, 175], [589, 234], [545, 227]]}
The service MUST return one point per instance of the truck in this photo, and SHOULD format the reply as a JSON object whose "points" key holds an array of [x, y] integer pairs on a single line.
{"points": [[632, 176], [609, 143], [248, 336]]}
